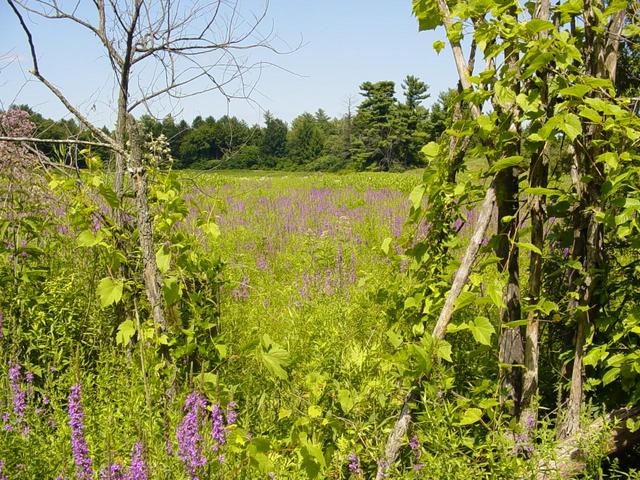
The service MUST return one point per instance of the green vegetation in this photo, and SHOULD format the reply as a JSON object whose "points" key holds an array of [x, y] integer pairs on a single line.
{"points": [[475, 318]]}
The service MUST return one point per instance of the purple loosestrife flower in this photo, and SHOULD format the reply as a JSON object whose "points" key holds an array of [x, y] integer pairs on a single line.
{"points": [[530, 422], [218, 432], [232, 415], [189, 437], [18, 395], [79, 447], [354, 464], [414, 443], [138, 469]]}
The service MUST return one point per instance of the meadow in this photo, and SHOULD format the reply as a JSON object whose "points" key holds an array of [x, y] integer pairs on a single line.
{"points": [[291, 361]]}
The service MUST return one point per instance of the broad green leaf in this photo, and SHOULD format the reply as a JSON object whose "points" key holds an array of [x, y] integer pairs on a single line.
{"points": [[345, 397], [610, 375], [88, 239], [444, 350], [126, 331], [211, 229], [470, 416], [482, 329], [576, 90], [595, 356], [571, 126], [494, 290], [610, 158], [163, 259], [416, 196], [431, 150], [386, 244], [506, 162], [528, 246], [438, 45], [273, 357], [172, 290], [109, 291]]}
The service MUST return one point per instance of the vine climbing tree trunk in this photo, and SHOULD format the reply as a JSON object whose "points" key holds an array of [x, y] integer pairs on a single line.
{"points": [[511, 343], [152, 277], [538, 178]]}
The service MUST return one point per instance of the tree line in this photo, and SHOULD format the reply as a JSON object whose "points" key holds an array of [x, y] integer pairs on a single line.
{"points": [[383, 132]]}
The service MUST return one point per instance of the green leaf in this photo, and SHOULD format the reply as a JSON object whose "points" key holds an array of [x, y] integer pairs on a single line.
{"points": [[506, 162], [610, 375], [537, 25], [470, 416], [274, 357], [610, 158], [576, 90], [126, 331], [438, 45], [394, 338], [345, 397], [416, 196], [163, 259], [88, 239], [172, 290], [211, 229], [529, 246], [444, 350], [571, 126], [482, 329], [542, 191], [386, 243], [109, 291], [314, 411], [494, 290], [431, 150]]}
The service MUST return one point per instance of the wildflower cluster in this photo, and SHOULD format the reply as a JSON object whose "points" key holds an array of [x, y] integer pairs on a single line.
{"points": [[191, 443]]}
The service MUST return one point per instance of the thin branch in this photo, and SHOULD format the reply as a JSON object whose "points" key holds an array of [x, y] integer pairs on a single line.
{"points": [[67, 141]]}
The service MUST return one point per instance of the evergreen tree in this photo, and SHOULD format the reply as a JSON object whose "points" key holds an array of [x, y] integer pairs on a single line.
{"points": [[415, 91], [306, 138], [274, 137]]}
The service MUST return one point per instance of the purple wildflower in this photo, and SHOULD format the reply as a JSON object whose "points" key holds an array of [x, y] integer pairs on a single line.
{"points": [[189, 437], [19, 396], [354, 464], [530, 422], [79, 447], [414, 444], [2, 475], [218, 432], [232, 415], [138, 469]]}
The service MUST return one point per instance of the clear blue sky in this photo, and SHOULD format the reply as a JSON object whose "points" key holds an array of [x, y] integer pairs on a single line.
{"points": [[345, 42]]}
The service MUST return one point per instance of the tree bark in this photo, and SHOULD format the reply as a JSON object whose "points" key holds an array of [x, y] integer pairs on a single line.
{"points": [[538, 177], [570, 457], [152, 277], [395, 438]]}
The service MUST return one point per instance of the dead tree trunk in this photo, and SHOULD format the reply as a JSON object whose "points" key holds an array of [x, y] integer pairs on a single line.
{"points": [[399, 430], [601, 57], [152, 277], [538, 177], [511, 349], [610, 433]]}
